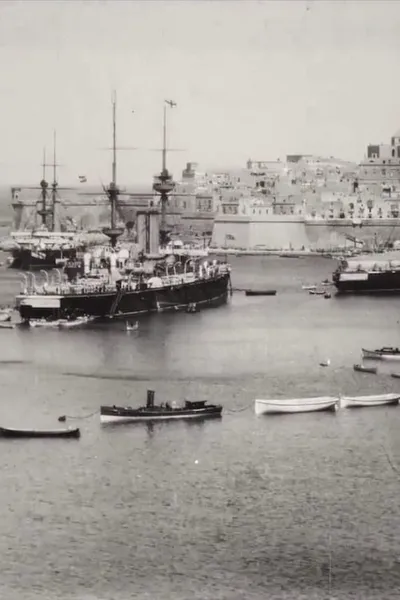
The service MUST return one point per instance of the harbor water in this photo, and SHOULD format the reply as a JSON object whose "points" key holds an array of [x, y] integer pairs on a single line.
{"points": [[293, 507]]}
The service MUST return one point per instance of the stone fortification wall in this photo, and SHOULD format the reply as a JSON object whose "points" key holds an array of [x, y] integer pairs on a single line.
{"points": [[278, 234]]}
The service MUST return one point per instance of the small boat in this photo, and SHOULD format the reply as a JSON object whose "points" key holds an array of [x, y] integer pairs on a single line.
{"points": [[364, 369], [40, 433], [385, 353], [395, 375], [327, 295], [325, 363], [375, 400], [43, 323], [296, 405], [132, 326], [308, 288], [162, 412], [260, 292], [192, 308], [5, 315], [317, 292], [67, 323]]}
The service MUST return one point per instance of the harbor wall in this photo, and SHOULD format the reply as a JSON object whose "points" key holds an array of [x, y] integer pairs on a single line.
{"points": [[338, 233], [293, 233], [277, 233]]}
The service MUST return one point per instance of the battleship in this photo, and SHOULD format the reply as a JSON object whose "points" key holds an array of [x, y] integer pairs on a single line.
{"points": [[44, 246], [165, 275]]}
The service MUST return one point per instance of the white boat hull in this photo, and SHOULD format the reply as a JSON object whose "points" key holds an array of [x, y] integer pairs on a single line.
{"points": [[359, 401], [299, 405]]}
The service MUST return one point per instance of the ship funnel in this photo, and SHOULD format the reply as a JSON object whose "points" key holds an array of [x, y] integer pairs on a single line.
{"points": [[150, 399]]}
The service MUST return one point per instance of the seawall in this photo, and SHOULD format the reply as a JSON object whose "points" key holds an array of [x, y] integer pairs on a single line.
{"points": [[294, 233]]}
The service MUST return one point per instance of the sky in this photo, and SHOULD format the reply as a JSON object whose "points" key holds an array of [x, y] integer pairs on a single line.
{"points": [[251, 79]]}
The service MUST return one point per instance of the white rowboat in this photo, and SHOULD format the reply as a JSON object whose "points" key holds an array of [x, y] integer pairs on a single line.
{"points": [[375, 400], [296, 405]]}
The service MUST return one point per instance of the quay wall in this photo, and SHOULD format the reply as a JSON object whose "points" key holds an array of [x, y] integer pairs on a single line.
{"points": [[295, 233]]}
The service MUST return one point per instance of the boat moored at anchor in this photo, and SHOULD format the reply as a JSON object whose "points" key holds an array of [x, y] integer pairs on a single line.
{"points": [[161, 277], [162, 412]]}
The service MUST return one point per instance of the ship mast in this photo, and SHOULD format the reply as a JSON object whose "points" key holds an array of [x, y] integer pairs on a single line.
{"points": [[54, 184], [44, 211], [113, 232], [164, 183]]}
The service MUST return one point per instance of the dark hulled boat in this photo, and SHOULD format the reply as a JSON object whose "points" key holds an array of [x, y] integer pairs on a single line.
{"points": [[367, 277], [260, 292], [43, 246], [364, 369], [164, 277], [98, 295], [40, 433], [162, 412]]}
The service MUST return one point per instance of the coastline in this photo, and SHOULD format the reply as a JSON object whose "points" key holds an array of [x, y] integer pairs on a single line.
{"points": [[282, 253]]}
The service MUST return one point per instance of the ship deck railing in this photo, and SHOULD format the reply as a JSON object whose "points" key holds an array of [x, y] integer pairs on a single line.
{"points": [[64, 289]]}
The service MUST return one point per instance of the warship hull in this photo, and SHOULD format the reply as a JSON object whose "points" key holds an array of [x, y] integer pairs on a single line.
{"points": [[113, 305], [26, 260]]}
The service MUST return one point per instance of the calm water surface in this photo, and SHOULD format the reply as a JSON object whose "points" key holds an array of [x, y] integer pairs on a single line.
{"points": [[243, 508]]}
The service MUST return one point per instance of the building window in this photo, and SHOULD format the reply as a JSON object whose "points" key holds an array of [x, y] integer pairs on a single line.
{"points": [[383, 171]]}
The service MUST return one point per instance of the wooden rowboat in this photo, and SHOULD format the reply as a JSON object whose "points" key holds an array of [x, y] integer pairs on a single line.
{"points": [[260, 292], [296, 405], [40, 433], [364, 369], [374, 400]]}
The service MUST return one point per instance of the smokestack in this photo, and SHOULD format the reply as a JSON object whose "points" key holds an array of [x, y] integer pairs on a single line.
{"points": [[150, 399]]}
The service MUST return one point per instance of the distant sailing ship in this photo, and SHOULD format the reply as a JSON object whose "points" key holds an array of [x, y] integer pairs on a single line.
{"points": [[43, 246], [166, 276]]}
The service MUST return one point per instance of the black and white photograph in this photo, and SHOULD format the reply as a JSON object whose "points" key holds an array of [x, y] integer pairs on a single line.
{"points": [[200, 299]]}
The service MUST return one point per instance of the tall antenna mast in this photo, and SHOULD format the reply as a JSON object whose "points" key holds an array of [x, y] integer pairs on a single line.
{"points": [[113, 232], [54, 184], [114, 165], [44, 163], [164, 183], [164, 148], [44, 211], [54, 156]]}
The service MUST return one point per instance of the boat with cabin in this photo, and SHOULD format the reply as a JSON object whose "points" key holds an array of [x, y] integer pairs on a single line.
{"points": [[296, 405], [385, 353], [162, 412]]}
